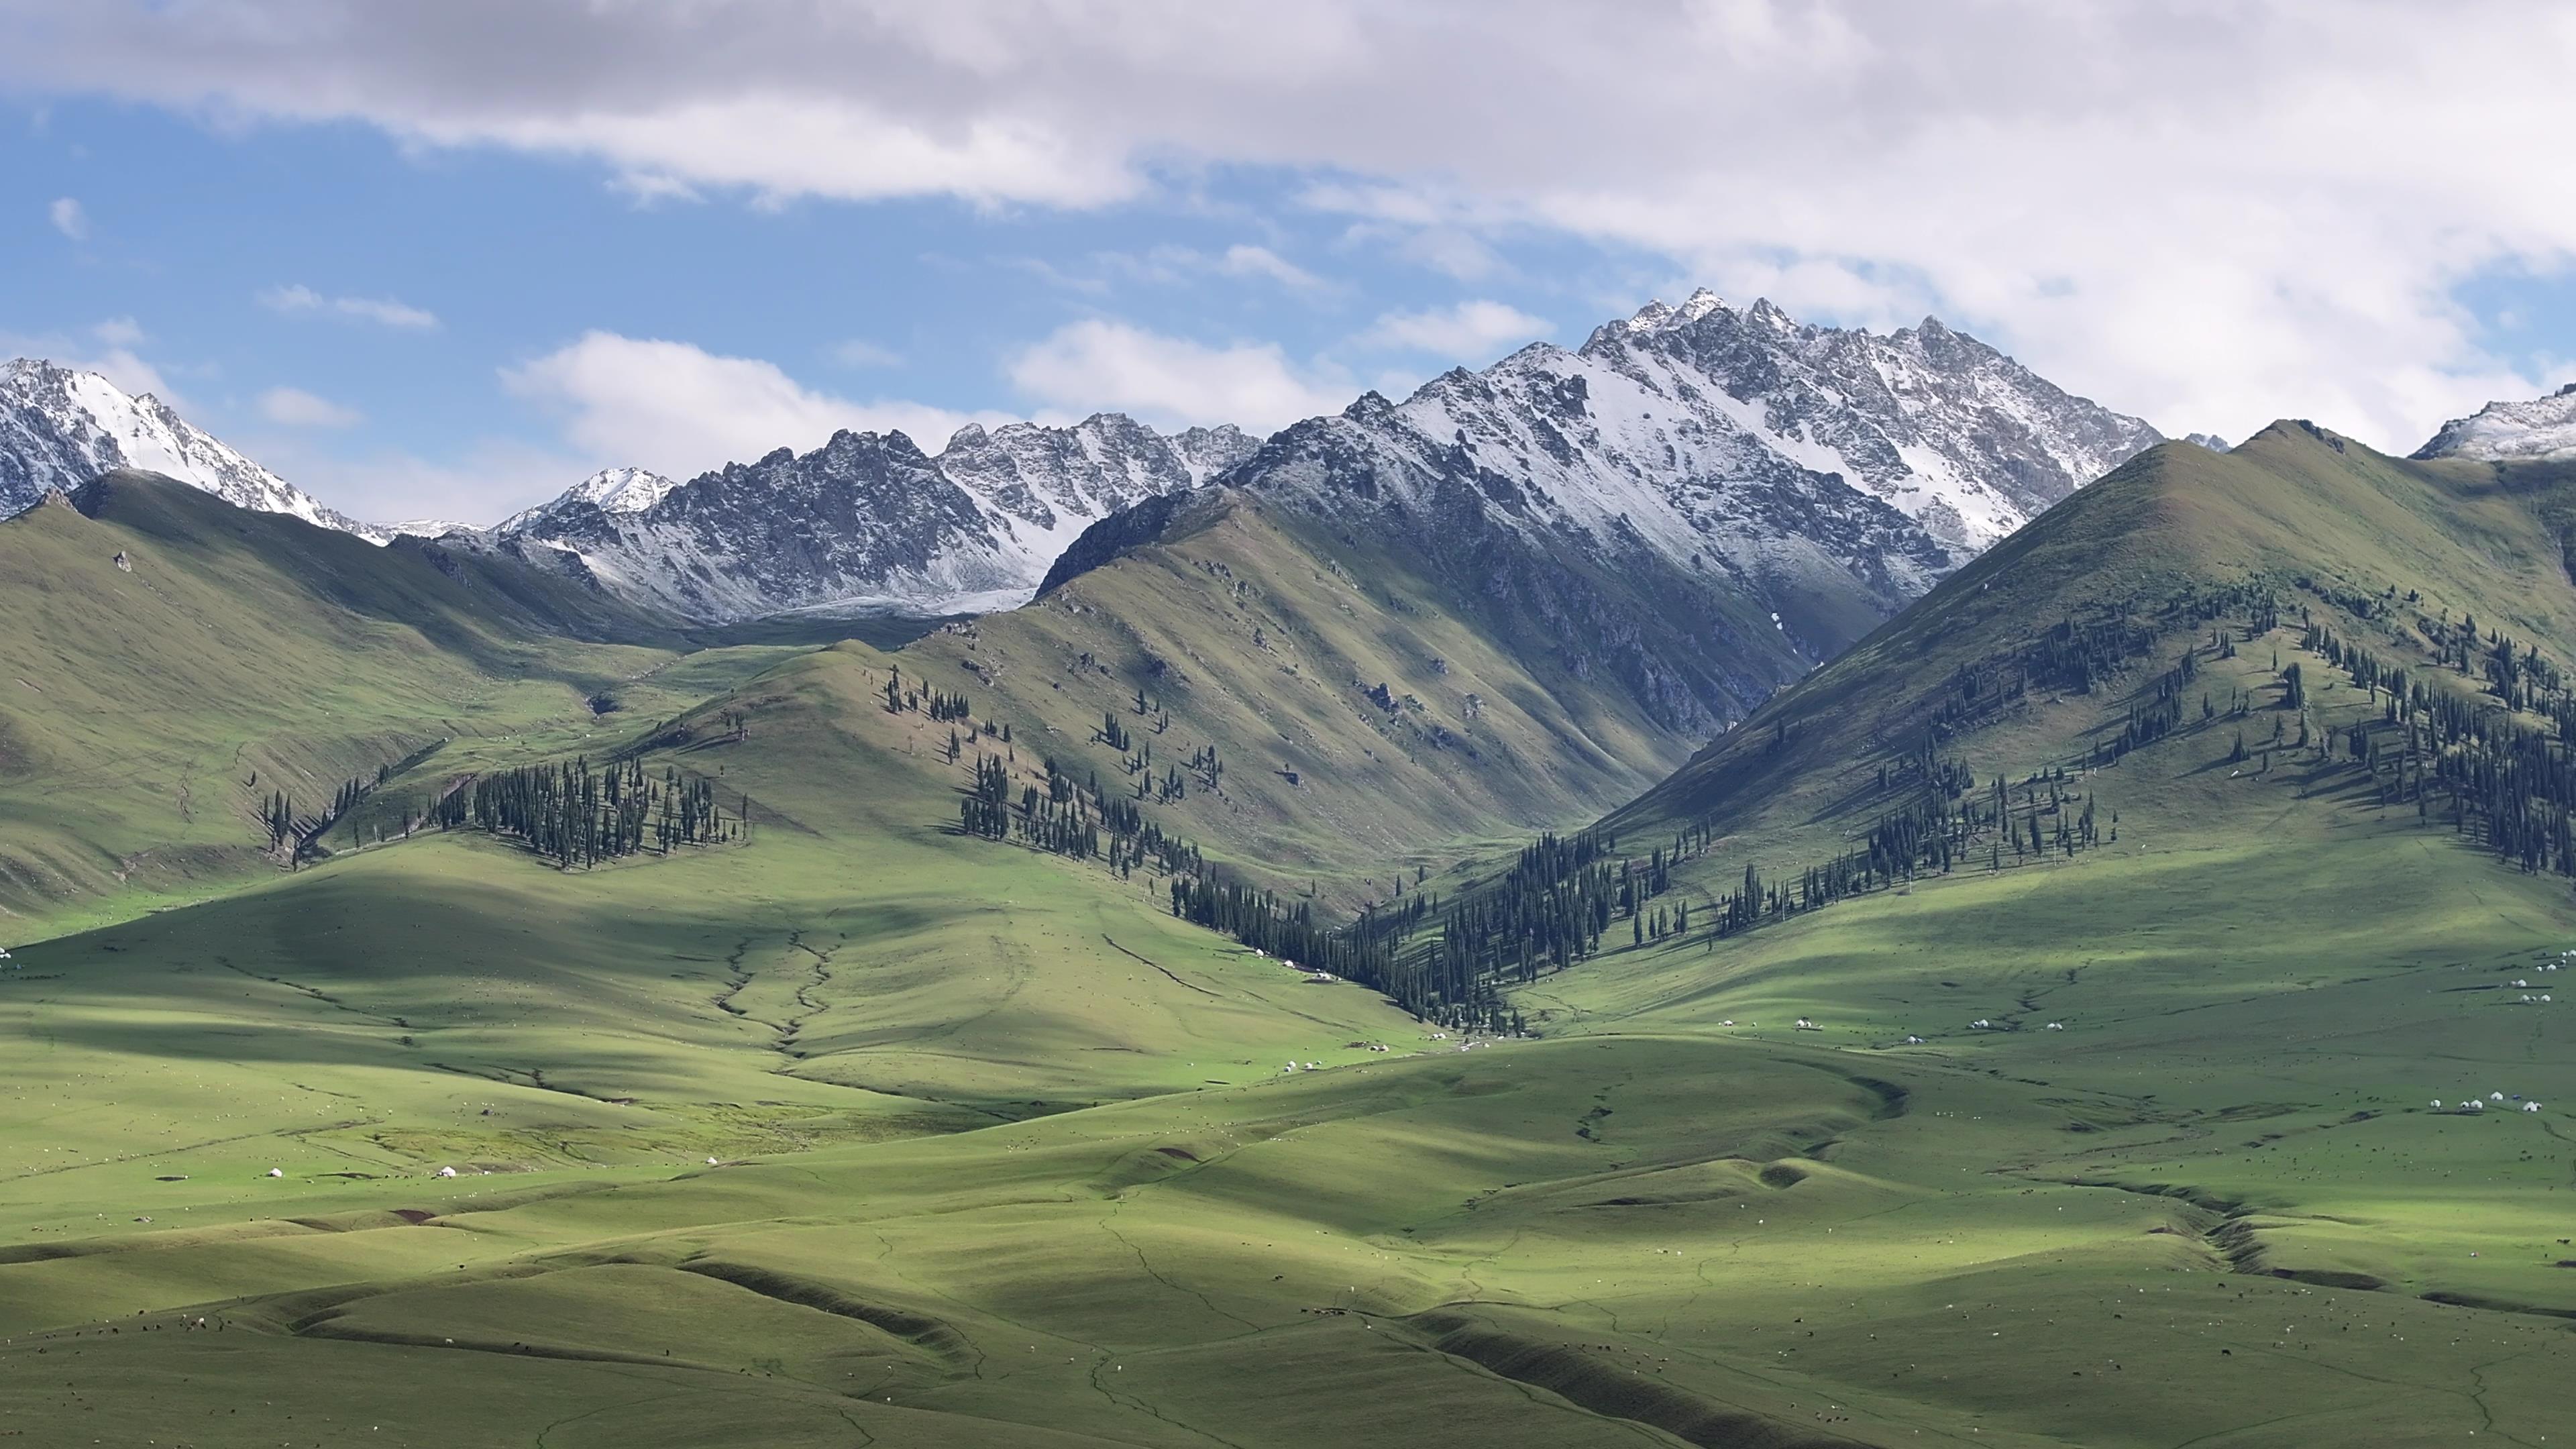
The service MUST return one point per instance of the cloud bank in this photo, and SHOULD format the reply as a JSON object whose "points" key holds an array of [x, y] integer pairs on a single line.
{"points": [[2208, 214]]}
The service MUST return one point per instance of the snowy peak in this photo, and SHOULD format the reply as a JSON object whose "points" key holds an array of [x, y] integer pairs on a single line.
{"points": [[868, 521], [622, 490], [2540, 430], [1959, 437], [1742, 477], [60, 427]]}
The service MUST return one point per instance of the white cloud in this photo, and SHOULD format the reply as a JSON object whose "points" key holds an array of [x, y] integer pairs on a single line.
{"points": [[680, 410], [1244, 260], [1100, 365], [2208, 213], [1170, 264], [107, 348], [69, 217], [491, 479], [296, 297], [1468, 332], [295, 408], [859, 352]]}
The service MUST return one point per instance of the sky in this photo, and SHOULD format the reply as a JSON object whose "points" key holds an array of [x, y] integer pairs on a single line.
{"points": [[444, 258]]}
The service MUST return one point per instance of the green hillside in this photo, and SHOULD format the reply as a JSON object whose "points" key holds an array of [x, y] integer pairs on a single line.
{"points": [[1368, 721], [2316, 522], [147, 713], [1005, 1154]]}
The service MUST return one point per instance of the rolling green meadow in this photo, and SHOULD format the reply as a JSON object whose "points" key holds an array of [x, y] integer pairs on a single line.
{"points": [[860, 1130]]}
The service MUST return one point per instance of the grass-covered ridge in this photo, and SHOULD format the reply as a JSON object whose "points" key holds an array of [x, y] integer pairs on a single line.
{"points": [[150, 711]]}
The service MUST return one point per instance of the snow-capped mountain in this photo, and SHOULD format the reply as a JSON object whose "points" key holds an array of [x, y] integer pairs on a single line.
{"points": [[1702, 501], [60, 427], [2511, 432], [1957, 436], [1718, 439], [867, 521]]}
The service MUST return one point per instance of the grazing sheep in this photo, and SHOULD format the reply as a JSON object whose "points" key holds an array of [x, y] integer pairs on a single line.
{"points": [[2057, 1026], [277, 1172], [446, 1172]]}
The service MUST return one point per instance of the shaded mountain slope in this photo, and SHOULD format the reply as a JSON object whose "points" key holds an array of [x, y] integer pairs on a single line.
{"points": [[1368, 712]]}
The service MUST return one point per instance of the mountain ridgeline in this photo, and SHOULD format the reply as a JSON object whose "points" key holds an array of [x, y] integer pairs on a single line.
{"points": [[1508, 603], [867, 522]]}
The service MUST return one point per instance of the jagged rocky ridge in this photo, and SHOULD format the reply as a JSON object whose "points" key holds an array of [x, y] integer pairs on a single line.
{"points": [[2541, 430], [60, 427], [1726, 444], [867, 521]]}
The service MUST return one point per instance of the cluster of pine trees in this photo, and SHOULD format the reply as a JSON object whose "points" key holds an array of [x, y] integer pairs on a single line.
{"points": [[280, 818], [2506, 784], [942, 706], [574, 815], [1930, 837], [1259, 919], [1070, 818]]}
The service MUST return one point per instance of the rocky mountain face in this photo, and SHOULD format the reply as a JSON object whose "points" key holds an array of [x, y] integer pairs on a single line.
{"points": [[1700, 500], [2541, 430], [61, 427], [867, 521]]}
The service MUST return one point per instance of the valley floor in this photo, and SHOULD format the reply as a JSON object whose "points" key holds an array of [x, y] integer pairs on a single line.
{"points": [[1002, 1158]]}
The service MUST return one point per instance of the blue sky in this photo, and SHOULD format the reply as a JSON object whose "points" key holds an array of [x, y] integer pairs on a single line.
{"points": [[445, 259], [407, 289]]}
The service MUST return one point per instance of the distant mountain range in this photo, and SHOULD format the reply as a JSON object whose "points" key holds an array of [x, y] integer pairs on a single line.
{"points": [[1829, 472], [867, 522]]}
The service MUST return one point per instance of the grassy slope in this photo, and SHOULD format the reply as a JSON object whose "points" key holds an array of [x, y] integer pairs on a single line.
{"points": [[136, 707], [1652, 1228], [1260, 636], [2290, 503]]}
